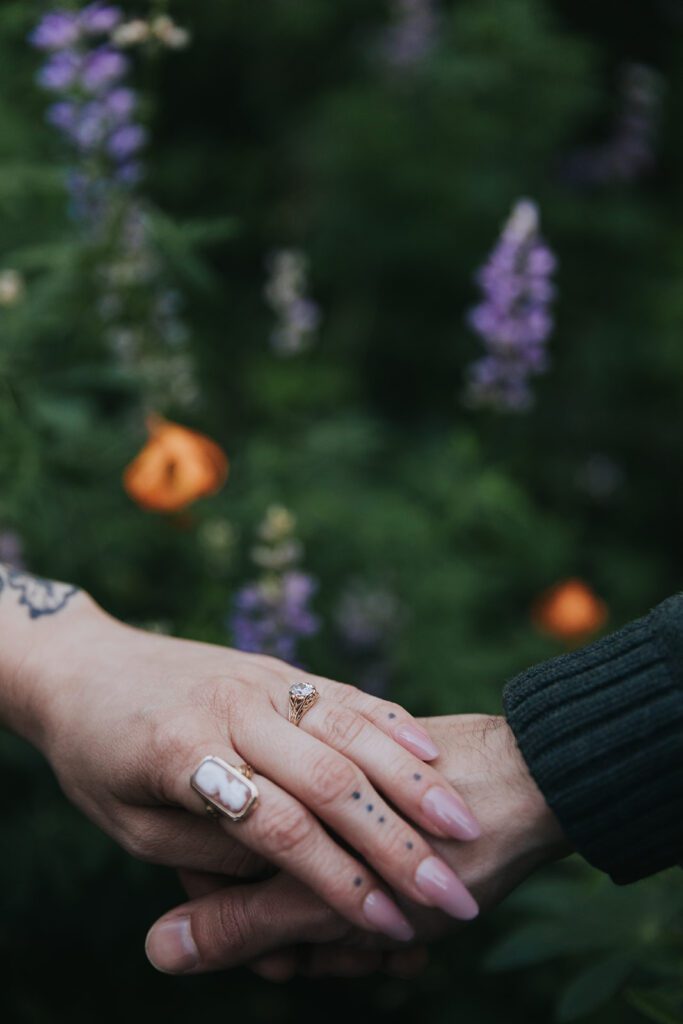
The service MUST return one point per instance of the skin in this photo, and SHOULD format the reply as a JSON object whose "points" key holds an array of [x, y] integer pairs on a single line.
{"points": [[125, 717], [281, 928]]}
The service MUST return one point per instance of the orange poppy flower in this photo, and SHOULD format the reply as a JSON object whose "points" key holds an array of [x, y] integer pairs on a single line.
{"points": [[569, 611], [176, 467]]}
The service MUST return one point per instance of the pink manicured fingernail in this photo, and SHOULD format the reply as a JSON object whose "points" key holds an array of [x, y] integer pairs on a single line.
{"points": [[417, 741], [438, 883], [170, 946], [385, 915], [448, 811]]}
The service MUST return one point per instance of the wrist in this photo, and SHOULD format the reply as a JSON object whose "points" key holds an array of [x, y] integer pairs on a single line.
{"points": [[481, 758], [545, 838], [37, 651]]}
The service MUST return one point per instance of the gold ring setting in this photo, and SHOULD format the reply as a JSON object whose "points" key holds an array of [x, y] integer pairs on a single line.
{"points": [[226, 789], [302, 697]]}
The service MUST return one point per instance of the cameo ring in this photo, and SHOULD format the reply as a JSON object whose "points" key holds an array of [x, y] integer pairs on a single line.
{"points": [[302, 697], [226, 789]]}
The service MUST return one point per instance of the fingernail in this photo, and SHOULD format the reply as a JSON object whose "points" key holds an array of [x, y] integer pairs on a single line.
{"points": [[417, 741], [385, 915], [448, 811], [170, 946], [438, 883]]}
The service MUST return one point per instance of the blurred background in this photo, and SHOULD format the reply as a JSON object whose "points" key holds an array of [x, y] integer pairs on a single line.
{"points": [[415, 267]]}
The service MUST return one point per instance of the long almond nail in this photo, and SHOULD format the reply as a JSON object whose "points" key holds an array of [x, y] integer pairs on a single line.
{"points": [[385, 915], [170, 946], [447, 810], [443, 888], [417, 741]]}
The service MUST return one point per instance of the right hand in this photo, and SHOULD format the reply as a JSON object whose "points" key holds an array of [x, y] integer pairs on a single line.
{"points": [[128, 716]]}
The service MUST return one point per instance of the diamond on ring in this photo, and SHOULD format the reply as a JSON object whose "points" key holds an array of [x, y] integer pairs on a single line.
{"points": [[302, 697]]}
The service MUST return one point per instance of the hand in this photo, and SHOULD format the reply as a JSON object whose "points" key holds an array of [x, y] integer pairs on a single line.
{"points": [[125, 717], [283, 928]]}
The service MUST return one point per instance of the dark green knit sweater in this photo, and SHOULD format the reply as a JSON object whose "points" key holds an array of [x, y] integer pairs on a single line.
{"points": [[601, 730]]}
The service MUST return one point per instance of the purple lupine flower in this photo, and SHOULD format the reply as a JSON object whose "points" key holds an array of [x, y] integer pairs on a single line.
{"points": [[100, 18], [298, 316], [103, 67], [58, 30], [120, 103], [60, 71], [130, 173], [126, 141], [514, 319], [272, 615], [63, 115], [92, 126], [410, 38], [630, 151]]}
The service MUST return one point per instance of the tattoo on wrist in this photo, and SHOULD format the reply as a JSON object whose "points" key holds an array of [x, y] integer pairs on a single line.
{"points": [[38, 596]]}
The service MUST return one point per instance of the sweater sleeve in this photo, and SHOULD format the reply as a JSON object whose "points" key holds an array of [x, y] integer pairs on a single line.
{"points": [[601, 731]]}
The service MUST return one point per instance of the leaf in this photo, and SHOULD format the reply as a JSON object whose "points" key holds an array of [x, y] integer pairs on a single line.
{"points": [[539, 942], [593, 986], [530, 944], [652, 1007]]}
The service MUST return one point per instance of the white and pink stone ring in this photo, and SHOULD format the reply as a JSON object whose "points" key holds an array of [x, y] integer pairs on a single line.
{"points": [[302, 697], [226, 789]]}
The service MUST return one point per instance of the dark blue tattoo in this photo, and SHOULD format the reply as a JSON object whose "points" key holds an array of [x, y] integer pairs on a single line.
{"points": [[381, 819], [356, 795], [392, 714], [417, 776], [357, 882], [39, 596], [369, 808], [409, 846]]}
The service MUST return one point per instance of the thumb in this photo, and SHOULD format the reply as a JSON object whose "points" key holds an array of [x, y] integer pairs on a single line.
{"points": [[232, 925]]}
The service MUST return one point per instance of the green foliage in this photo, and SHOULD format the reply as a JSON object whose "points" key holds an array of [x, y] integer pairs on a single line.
{"points": [[280, 126]]}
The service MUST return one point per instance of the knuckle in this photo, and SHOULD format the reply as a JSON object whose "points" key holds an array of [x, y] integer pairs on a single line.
{"points": [[342, 726], [139, 845], [288, 829], [345, 693], [394, 857], [331, 779], [167, 755], [230, 928], [216, 696]]}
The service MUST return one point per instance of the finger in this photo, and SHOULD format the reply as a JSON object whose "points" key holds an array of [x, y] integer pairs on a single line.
{"points": [[284, 832], [337, 792], [238, 924], [169, 837], [339, 962], [416, 789], [200, 883], [391, 718], [277, 967]]}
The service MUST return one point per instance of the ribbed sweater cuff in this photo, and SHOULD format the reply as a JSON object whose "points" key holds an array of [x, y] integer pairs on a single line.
{"points": [[601, 730]]}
